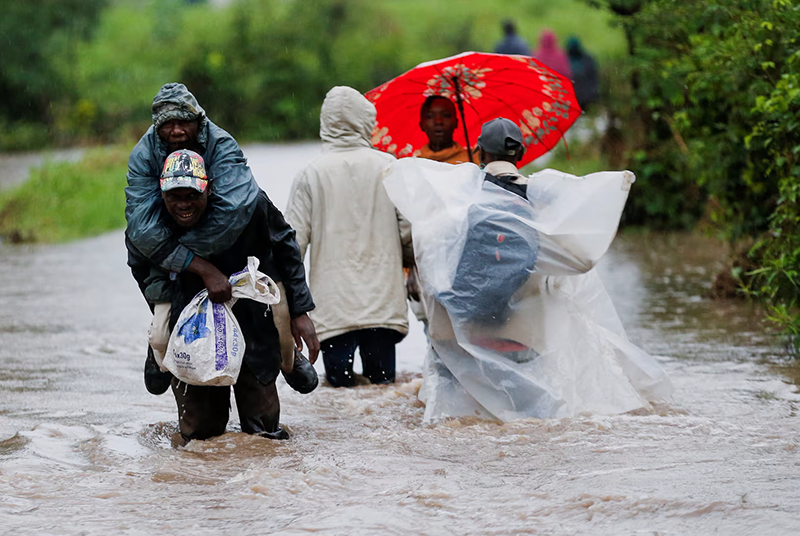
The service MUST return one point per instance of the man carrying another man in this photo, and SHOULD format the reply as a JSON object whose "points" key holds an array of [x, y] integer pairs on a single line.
{"points": [[179, 122], [187, 204]]}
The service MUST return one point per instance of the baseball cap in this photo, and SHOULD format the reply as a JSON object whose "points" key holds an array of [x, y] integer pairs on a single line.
{"points": [[184, 169], [501, 136]]}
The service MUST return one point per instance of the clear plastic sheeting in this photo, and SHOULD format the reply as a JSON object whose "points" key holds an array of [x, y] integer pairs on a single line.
{"points": [[519, 325]]}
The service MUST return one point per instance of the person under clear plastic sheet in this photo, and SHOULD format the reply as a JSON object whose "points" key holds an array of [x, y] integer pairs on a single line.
{"points": [[520, 325]]}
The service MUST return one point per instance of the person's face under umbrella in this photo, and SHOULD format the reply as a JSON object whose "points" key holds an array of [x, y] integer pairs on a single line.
{"points": [[438, 122]]}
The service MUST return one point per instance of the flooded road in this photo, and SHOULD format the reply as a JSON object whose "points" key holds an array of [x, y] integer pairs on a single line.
{"points": [[84, 449]]}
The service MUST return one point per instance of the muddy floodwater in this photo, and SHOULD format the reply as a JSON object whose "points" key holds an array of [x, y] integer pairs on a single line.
{"points": [[84, 449]]}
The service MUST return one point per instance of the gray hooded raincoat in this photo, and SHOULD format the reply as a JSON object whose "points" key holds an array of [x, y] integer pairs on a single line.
{"points": [[358, 240]]}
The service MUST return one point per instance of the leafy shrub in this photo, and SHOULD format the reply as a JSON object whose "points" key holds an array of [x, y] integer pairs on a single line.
{"points": [[35, 37], [136, 48], [695, 73], [67, 200], [23, 136], [713, 120], [776, 141]]}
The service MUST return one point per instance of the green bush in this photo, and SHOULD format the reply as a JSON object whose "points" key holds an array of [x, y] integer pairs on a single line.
{"points": [[37, 37], [776, 141], [135, 49], [713, 124], [695, 74], [67, 200], [23, 136]]}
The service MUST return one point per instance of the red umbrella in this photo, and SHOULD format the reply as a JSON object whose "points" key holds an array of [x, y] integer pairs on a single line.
{"points": [[483, 86]]}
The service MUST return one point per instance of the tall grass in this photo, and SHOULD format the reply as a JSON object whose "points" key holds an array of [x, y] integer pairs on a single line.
{"points": [[64, 201]]}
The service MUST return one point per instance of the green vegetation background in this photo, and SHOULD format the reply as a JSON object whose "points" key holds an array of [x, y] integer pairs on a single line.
{"points": [[260, 68]]}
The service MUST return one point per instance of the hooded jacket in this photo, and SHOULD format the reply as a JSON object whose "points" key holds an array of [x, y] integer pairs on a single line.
{"points": [[585, 78], [339, 208], [233, 196], [549, 53]]}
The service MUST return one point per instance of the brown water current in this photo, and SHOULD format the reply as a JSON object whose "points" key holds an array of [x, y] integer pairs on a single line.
{"points": [[84, 449]]}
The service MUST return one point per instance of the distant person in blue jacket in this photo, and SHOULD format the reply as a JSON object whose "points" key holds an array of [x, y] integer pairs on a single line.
{"points": [[512, 43]]}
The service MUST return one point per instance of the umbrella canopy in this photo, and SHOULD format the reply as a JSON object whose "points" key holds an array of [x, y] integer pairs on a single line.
{"points": [[483, 87]]}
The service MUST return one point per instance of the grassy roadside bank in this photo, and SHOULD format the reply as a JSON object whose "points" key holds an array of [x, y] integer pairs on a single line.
{"points": [[64, 201]]}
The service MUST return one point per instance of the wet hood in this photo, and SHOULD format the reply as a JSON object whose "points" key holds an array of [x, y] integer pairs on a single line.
{"points": [[346, 120], [182, 102], [179, 96]]}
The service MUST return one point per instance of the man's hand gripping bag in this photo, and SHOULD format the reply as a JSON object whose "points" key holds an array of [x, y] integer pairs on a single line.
{"points": [[207, 346]]}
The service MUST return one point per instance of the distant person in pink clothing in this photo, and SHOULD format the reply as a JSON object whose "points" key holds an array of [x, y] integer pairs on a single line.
{"points": [[549, 53]]}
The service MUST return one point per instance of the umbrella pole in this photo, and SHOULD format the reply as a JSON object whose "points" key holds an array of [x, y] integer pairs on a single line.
{"points": [[460, 104]]}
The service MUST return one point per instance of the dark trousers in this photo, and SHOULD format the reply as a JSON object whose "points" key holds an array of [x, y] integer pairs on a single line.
{"points": [[377, 348], [203, 411]]}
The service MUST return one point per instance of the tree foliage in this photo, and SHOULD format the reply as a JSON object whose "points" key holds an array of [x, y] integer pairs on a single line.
{"points": [[270, 73], [776, 140], [713, 114], [33, 35], [261, 67]]}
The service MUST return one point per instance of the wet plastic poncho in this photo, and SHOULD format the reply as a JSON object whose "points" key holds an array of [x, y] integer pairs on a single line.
{"points": [[527, 330], [233, 195]]}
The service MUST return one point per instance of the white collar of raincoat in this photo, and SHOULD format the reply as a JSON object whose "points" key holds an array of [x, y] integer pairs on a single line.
{"points": [[346, 119], [501, 168]]}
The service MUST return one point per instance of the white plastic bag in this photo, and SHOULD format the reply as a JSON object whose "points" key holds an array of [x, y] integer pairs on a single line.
{"points": [[207, 346]]}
